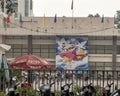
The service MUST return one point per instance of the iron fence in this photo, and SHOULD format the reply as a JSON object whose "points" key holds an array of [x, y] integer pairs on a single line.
{"points": [[35, 78]]}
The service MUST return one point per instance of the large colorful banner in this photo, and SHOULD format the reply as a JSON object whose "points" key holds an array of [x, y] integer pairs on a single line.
{"points": [[71, 53]]}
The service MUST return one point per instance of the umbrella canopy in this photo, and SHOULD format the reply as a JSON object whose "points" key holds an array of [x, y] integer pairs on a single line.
{"points": [[4, 47], [30, 61]]}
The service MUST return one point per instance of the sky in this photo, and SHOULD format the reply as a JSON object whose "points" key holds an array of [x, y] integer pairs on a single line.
{"points": [[81, 8]]}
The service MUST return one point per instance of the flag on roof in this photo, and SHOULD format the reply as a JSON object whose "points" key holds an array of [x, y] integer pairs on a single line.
{"points": [[31, 19], [91, 17], [8, 19], [21, 18], [55, 18], [43, 20], [72, 5], [102, 19]]}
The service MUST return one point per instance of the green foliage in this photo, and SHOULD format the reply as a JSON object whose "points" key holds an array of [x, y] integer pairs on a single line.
{"points": [[76, 89], [32, 92], [57, 93], [98, 91], [2, 94], [27, 92], [118, 26], [10, 6]]}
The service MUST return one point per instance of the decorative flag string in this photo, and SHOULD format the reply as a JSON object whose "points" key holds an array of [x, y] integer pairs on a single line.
{"points": [[74, 33]]}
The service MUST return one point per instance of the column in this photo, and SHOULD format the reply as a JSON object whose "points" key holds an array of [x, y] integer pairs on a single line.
{"points": [[114, 51], [29, 52]]}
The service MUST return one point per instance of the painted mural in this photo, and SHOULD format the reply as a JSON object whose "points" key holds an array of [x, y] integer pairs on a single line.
{"points": [[71, 53]]}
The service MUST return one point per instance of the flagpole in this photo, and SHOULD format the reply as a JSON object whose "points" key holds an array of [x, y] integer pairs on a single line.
{"points": [[55, 23], [102, 21], [104, 28], [72, 17], [63, 23], [72, 13], [43, 21]]}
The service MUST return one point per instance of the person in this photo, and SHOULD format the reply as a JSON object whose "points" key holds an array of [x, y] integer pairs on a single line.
{"points": [[42, 76], [63, 47]]}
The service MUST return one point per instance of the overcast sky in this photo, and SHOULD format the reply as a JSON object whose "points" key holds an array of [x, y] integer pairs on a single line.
{"points": [[81, 7]]}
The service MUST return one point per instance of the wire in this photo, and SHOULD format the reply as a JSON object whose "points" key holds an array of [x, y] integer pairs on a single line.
{"points": [[97, 30], [23, 27], [26, 28]]}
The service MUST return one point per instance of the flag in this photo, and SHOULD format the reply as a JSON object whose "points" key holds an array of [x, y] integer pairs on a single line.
{"points": [[63, 19], [8, 19], [102, 19], [91, 17], [72, 5], [114, 20], [43, 20], [31, 19], [4, 22], [55, 18], [21, 18]]}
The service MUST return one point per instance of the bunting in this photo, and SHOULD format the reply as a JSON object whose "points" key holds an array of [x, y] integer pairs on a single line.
{"points": [[55, 18], [21, 18], [43, 20], [8, 19], [31, 19], [91, 19]]}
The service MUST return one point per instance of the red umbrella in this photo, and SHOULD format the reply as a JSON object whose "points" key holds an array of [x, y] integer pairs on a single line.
{"points": [[30, 61]]}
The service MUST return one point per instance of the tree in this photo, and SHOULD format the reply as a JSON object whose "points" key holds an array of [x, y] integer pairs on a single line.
{"points": [[97, 15], [8, 6], [117, 19], [90, 15], [2, 4], [118, 15]]}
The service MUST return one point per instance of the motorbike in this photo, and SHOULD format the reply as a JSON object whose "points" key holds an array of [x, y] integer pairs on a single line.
{"points": [[45, 90], [11, 90], [87, 90], [116, 92], [65, 90], [106, 91]]}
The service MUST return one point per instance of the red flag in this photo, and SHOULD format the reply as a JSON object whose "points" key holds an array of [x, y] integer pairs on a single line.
{"points": [[8, 19], [72, 5]]}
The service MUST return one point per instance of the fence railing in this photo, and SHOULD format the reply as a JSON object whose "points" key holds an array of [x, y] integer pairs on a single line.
{"points": [[36, 78]]}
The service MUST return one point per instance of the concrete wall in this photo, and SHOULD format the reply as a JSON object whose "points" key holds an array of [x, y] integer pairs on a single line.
{"points": [[63, 26]]}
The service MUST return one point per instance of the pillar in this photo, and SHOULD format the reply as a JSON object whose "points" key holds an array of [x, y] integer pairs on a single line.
{"points": [[114, 52], [29, 52]]}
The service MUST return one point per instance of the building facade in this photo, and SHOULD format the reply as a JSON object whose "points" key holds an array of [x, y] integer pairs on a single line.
{"points": [[25, 7], [40, 39]]}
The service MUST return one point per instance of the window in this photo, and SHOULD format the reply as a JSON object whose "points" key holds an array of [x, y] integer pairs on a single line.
{"points": [[100, 65], [100, 49]]}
